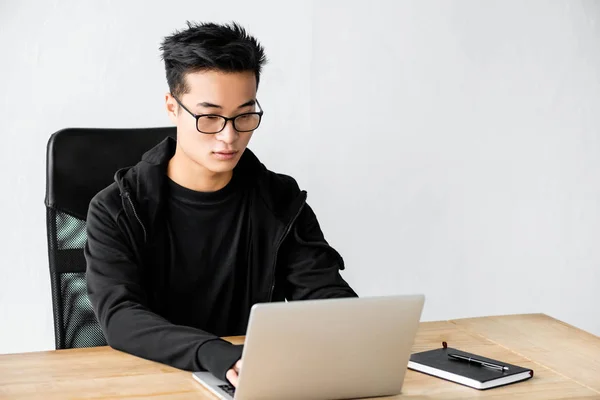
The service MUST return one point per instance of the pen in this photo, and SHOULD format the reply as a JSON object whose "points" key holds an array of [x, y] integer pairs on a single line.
{"points": [[481, 363]]}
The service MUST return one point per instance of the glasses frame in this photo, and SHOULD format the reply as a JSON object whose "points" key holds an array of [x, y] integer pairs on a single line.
{"points": [[227, 119]]}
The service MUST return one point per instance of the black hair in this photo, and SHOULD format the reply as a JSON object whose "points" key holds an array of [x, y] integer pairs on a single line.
{"points": [[209, 47]]}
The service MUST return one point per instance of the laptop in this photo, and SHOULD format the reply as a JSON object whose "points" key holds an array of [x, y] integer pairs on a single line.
{"points": [[324, 349]]}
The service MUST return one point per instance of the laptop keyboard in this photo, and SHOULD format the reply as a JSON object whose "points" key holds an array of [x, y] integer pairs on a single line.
{"points": [[229, 389]]}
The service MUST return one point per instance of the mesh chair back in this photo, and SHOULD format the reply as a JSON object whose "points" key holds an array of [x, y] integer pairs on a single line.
{"points": [[81, 162]]}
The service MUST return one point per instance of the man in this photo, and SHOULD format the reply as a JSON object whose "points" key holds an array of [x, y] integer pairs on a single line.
{"points": [[182, 245]]}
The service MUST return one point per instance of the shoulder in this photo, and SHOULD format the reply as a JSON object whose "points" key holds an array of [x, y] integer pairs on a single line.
{"points": [[107, 202], [277, 189], [281, 184], [277, 182]]}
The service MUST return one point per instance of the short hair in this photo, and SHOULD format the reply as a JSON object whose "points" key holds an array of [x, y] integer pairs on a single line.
{"points": [[210, 47]]}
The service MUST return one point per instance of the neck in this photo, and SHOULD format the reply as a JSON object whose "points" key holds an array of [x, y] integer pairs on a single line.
{"points": [[191, 175]]}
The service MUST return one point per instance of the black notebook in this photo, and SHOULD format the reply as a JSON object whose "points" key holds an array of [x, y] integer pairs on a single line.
{"points": [[439, 363]]}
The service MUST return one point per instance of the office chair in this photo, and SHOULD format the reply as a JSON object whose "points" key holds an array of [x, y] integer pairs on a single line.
{"points": [[79, 163]]}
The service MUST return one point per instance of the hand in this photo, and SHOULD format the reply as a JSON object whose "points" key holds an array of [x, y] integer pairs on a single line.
{"points": [[233, 375]]}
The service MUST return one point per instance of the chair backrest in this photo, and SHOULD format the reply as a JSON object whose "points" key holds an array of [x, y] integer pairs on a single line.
{"points": [[80, 162]]}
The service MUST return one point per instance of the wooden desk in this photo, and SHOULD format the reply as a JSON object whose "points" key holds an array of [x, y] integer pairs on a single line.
{"points": [[566, 361]]}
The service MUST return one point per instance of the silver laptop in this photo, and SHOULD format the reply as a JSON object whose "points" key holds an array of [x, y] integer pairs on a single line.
{"points": [[324, 349]]}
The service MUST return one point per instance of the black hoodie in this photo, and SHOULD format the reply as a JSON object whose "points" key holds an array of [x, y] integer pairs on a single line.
{"points": [[128, 255]]}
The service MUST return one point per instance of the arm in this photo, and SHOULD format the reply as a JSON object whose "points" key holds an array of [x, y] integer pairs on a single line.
{"points": [[120, 302], [310, 267]]}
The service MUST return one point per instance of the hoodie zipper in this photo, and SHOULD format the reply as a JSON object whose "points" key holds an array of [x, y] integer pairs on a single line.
{"points": [[128, 197], [288, 228]]}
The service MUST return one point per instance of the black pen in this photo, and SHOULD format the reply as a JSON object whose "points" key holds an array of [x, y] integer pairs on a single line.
{"points": [[481, 363]]}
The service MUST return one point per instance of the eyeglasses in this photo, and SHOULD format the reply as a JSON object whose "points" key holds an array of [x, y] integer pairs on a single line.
{"points": [[214, 123]]}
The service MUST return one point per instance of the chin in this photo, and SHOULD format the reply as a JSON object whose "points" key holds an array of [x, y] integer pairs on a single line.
{"points": [[221, 167]]}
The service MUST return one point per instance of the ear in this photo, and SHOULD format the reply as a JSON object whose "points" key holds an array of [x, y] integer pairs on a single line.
{"points": [[172, 107]]}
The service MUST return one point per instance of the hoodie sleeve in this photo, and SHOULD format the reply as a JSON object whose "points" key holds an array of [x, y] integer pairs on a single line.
{"points": [[309, 267], [114, 283]]}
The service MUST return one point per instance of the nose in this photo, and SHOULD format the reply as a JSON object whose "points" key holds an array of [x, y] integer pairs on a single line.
{"points": [[228, 135]]}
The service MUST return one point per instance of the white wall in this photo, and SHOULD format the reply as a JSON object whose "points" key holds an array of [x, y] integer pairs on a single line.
{"points": [[443, 144], [461, 149]]}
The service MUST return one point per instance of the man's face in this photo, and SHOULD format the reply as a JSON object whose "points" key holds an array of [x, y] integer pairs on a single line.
{"points": [[220, 93]]}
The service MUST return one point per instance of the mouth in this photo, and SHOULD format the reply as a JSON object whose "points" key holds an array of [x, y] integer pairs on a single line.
{"points": [[225, 154]]}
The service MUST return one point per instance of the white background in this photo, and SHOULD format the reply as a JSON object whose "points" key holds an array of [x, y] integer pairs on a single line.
{"points": [[448, 148]]}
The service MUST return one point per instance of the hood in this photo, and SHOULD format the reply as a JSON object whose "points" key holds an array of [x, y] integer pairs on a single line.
{"points": [[144, 184]]}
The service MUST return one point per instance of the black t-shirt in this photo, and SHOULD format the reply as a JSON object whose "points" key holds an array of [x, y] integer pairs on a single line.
{"points": [[209, 254]]}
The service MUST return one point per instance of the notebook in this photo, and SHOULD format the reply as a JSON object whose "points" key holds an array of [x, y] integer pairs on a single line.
{"points": [[438, 363]]}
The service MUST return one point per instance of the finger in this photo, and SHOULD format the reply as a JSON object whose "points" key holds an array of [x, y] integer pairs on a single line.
{"points": [[238, 365], [232, 377]]}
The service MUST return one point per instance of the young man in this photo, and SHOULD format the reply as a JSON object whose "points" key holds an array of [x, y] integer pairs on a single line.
{"points": [[182, 245]]}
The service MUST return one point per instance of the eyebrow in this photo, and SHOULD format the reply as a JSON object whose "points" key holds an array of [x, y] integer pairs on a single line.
{"points": [[211, 105]]}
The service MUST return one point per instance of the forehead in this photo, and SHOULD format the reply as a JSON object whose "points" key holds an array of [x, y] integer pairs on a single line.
{"points": [[221, 87]]}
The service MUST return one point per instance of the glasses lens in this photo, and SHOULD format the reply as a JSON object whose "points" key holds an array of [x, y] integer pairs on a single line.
{"points": [[246, 122], [210, 123]]}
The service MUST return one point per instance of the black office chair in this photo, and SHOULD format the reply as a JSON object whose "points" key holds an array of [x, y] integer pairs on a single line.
{"points": [[80, 163]]}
